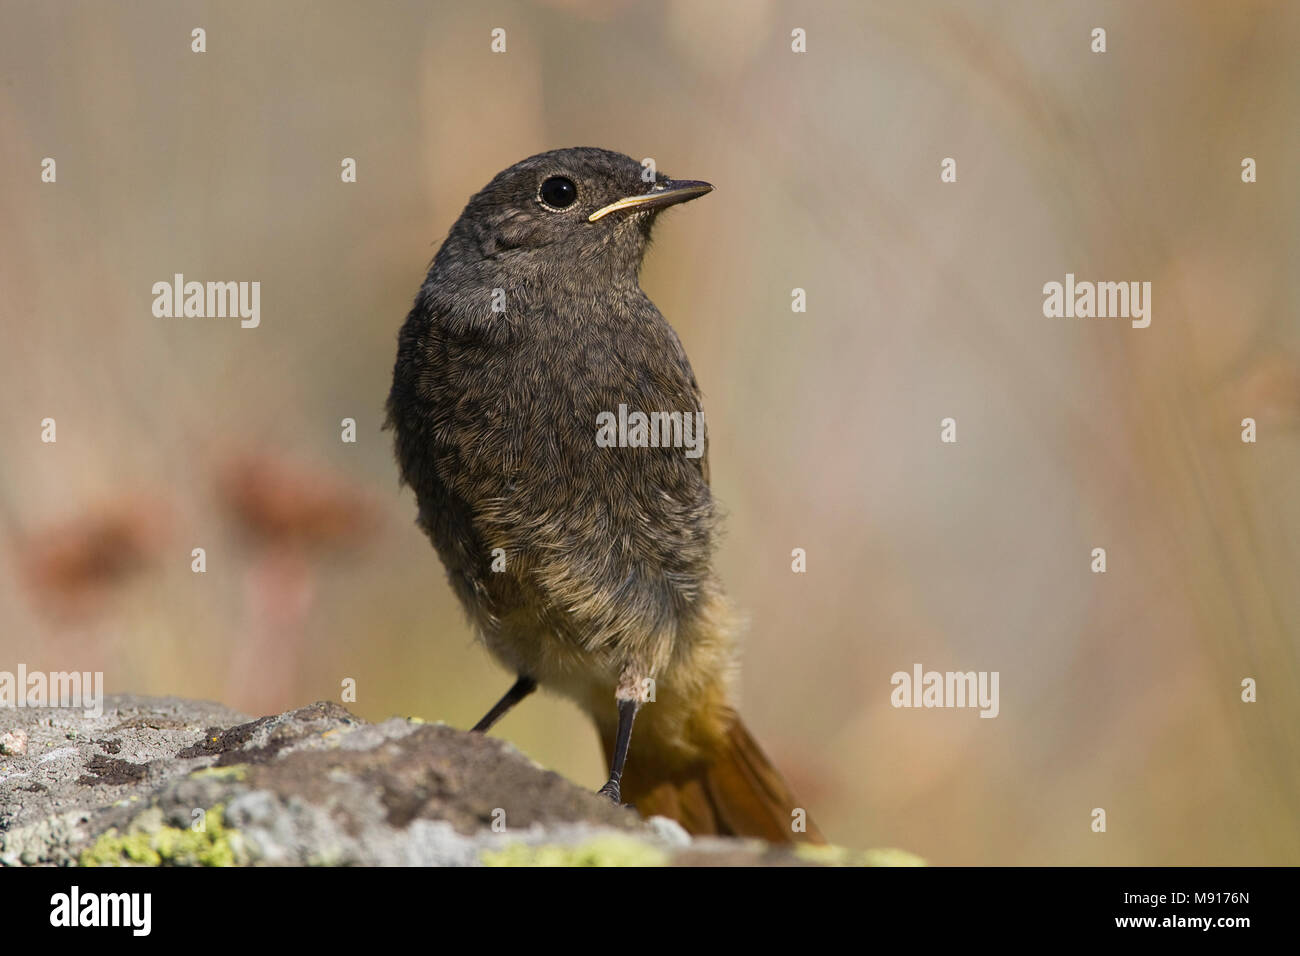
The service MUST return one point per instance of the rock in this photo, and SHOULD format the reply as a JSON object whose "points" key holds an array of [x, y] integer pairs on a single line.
{"points": [[163, 781], [13, 743]]}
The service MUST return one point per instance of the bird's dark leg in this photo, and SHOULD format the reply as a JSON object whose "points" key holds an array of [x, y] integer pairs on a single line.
{"points": [[626, 714], [521, 689]]}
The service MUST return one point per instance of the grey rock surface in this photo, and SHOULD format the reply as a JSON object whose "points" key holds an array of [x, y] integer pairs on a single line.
{"points": [[168, 781]]}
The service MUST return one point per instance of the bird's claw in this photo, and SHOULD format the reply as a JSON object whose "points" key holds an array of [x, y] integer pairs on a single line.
{"points": [[610, 790]]}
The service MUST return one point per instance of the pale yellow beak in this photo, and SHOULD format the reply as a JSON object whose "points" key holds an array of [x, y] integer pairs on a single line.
{"points": [[667, 193]]}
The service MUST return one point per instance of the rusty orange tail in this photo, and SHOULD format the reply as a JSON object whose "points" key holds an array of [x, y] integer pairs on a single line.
{"points": [[735, 792]]}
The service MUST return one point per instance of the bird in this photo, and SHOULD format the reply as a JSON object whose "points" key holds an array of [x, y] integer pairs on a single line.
{"points": [[583, 553]]}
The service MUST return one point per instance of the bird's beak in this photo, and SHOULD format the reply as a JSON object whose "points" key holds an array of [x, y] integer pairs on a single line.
{"points": [[666, 193]]}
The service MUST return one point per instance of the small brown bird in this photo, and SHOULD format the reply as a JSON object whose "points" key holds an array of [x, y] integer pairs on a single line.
{"points": [[580, 540]]}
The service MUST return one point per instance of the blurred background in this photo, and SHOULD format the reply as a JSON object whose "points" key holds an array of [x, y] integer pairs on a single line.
{"points": [[924, 300]]}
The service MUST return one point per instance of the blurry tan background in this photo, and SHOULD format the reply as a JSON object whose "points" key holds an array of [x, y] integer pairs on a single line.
{"points": [[1118, 691]]}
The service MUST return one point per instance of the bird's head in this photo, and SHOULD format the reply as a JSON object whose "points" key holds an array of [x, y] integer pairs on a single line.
{"points": [[580, 210]]}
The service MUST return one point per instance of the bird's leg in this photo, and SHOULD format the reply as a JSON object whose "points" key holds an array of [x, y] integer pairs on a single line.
{"points": [[521, 689], [626, 714]]}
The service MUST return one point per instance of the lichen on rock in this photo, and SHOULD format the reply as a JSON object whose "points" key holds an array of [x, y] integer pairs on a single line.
{"points": [[169, 782]]}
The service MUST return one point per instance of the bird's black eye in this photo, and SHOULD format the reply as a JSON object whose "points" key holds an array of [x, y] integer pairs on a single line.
{"points": [[558, 192]]}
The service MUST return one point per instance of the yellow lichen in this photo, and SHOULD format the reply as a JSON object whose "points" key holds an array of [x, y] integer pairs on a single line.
{"points": [[603, 851], [235, 771], [842, 856], [151, 843]]}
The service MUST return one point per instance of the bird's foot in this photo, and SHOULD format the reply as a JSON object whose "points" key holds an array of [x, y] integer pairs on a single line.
{"points": [[611, 790]]}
